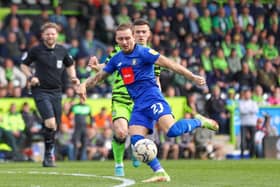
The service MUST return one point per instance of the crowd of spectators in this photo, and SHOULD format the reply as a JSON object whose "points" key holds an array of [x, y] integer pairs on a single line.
{"points": [[232, 44]]}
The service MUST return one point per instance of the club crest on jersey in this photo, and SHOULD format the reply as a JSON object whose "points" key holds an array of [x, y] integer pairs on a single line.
{"points": [[134, 62], [59, 64], [153, 52]]}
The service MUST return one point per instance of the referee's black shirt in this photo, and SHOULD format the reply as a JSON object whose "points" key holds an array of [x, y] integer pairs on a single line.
{"points": [[49, 65]]}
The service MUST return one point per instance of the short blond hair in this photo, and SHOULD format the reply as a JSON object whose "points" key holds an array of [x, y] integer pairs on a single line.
{"points": [[49, 25]]}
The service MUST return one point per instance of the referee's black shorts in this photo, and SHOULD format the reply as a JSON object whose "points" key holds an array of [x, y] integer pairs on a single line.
{"points": [[48, 104]]}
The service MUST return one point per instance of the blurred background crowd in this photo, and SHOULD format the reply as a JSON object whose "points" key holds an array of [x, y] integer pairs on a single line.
{"points": [[235, 45]]}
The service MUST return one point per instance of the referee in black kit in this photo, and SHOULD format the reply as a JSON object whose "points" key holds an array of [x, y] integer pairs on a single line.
{"points": [[50, 60]]}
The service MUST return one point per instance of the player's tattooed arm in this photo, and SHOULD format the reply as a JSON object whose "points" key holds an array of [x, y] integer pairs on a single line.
{"points": [[92, 81]]}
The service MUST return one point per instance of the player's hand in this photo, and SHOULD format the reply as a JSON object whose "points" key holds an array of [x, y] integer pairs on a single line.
{"points": [[75, 81], [34, 81], [82, 91], [93, 63], [199, 80]]}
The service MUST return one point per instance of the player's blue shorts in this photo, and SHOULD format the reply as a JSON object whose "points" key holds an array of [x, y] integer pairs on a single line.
{"points": [[148, 111]]}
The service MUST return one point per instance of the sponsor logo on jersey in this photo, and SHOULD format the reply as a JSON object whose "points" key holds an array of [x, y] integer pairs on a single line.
{"points": [[119, 64], [59, 64], [153, 52], [134, 62]]}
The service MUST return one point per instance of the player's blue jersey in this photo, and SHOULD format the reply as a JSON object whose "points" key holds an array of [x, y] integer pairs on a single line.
{"points": [[136, 69]]}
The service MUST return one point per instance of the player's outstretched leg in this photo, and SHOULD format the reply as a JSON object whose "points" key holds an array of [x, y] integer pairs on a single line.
{"points": [[160, 174], [188, 125], [49, 157], [118, 146]]}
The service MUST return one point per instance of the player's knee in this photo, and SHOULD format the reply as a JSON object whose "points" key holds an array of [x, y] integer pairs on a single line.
{"points": [[136, 138], [121, 134], [119, 140], [50, 124]]}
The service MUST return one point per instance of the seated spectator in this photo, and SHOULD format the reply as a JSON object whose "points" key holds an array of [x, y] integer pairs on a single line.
{"points": [[123, 16], [216, 108], [274, 99], [13, 74], [58, 17], [73, 29], [11, 48], [105, 25], [3, 80], [12, 14], [270, 51], [74, 48], [205, 147], [258, 95], [168, 146], [244, 78], [33, 124], [7, 137], [96, 146], [234, 63], [102, 120], [28, 33], [267, 77], [65, 146], [91, 46], [14, 124]]}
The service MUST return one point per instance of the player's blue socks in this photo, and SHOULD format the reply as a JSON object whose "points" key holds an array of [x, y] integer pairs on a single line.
{"points": [[183, 126], [155, 165], [136, 138]]}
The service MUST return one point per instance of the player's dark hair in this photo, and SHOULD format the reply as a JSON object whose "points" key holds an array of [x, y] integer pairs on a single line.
{"points": [[124, 26], [49, 25], [141, 21]]}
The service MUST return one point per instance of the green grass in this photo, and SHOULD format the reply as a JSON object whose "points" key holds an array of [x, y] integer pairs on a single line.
{"points": [[189, 173]]}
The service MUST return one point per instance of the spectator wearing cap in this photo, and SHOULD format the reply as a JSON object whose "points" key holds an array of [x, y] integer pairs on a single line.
{"points": [[248, 116]]}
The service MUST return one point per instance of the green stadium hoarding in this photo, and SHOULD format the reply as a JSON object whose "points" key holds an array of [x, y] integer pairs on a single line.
{"points": [[177, 104]]}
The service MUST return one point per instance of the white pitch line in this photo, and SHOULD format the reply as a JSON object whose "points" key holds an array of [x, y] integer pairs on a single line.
{"points": [[125, 181]]}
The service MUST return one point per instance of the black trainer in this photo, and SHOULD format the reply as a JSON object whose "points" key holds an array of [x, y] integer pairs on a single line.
{"points": [[49, 161]]}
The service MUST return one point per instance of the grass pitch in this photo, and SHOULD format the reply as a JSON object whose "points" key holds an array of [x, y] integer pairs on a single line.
{"points": [[189, 173]]}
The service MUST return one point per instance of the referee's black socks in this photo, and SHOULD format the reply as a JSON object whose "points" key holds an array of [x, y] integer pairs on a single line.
{"points": [[49, 135]]}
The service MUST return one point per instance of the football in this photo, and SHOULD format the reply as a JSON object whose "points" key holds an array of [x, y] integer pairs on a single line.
{"points": [[145, 150]]}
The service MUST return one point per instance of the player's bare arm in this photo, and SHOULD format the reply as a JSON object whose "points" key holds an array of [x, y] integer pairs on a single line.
{"points": [[90, 82], [165, 62], [32, 79], [94, 64]]}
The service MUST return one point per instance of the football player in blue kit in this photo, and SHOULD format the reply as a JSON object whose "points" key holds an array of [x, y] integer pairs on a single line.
{"points": [[135, 63]]}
